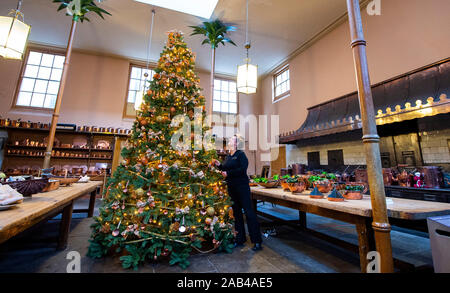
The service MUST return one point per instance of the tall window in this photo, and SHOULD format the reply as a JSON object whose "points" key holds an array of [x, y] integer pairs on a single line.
{"points": [[41, 77], [225, 96], [282, 85], [138, 83]]}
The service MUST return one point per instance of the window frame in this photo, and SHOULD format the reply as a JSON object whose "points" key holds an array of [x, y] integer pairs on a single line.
{"points": [[237, 97], [132, 64], [274, 85], [43, 50]]}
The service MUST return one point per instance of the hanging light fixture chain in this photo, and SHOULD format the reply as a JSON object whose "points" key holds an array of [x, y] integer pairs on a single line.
{"points": [[149, 47]]}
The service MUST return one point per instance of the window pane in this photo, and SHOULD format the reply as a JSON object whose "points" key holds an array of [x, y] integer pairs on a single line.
{"points": [[50, 101], [24, 99], [278, 80], [287, 74], [284, 76], [41, 86], [232, 97], [233, 108], [136, 72], [56, 74], [217, 84], [53, 87], [44, 72], [131, 96], [27, 85], [288, 86], [47, 60], [232, 87], [216, 95], [224, 96], [34, 58], [135, 84], [224, 107], [31, 71], [224, 85], [277, 91], [37, 100], [59, 62], [216, 106], [283, 87]]}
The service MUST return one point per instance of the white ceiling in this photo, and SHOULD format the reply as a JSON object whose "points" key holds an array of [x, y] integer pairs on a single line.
{"points": [[277, 28]]}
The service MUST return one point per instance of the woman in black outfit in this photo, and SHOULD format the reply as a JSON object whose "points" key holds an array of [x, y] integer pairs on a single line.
{"points": [[234, 169]]}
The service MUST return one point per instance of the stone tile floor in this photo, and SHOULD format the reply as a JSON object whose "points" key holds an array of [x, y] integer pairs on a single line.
{"points": [[289, 251]]}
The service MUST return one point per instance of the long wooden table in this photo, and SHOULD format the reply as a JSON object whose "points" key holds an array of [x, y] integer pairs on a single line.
{"points": [[43, 206], [402, 212]]}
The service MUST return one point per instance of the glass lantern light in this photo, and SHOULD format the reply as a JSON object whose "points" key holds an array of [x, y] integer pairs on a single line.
{"points": [[247, 77], [14, 34]]}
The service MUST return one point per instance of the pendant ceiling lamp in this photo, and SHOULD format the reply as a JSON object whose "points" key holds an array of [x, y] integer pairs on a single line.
{"points": [[13, 34], [140, 95], [247, 77]]}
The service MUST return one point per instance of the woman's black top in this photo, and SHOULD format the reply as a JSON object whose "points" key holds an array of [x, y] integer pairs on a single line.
{"points": [[236, 168]]}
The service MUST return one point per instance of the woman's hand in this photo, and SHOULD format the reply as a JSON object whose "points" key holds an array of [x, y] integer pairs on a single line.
{"points": [[224, 174], [215, 162]]}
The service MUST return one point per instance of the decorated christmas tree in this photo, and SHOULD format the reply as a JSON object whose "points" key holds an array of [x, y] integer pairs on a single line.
{"points": [[166, 199]]}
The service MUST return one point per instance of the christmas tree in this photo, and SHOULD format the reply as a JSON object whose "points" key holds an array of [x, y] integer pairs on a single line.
{"points": [[166, 199]]}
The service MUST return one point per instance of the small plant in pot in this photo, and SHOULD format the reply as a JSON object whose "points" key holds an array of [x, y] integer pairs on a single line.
{"points": [[284, 182], [267, 183], [324, 185], [354, 192], [296, 185]]}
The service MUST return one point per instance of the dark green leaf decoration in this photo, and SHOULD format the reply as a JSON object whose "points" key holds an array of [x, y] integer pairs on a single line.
{"points": [[85, 7], [215, 32]]}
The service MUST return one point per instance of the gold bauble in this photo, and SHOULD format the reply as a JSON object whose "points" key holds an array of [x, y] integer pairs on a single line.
{"points": [[210, 211]]}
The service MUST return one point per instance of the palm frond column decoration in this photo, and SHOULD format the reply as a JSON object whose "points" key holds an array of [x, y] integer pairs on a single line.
{"points": [[77, 9], [216, 33]]}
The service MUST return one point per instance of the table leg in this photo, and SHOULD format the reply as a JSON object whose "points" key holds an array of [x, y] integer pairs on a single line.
{"points": [[302, 220], [92, 204], [364, 244], [255, 205], [64, 228]]}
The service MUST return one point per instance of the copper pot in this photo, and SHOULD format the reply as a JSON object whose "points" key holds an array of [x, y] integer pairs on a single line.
{"points": [[353, 195], [324, 187], [284, 185], [297, 187]]}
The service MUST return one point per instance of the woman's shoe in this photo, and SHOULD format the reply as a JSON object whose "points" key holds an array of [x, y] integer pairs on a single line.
{"points": [[257, 247]]}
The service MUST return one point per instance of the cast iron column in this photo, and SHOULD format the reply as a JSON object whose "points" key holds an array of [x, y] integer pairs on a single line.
{"points": [[51, 138], [371, 139]]}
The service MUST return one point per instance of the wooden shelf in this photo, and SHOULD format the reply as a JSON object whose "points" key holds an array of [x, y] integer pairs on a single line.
{"points": [[58, 148], [64, 131]]}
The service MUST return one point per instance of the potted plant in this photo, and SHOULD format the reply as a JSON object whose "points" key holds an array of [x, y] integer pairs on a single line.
{"points": [[284, 183], [216, 33], [296, 185], [323, 185], [267, 183], [354, 191]]}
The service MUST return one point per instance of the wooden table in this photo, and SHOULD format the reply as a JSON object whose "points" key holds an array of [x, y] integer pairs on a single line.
{"points": [[43, 206], [402, 212]]}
